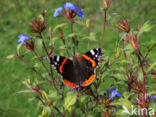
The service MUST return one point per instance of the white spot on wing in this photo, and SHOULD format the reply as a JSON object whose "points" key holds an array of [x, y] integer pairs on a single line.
{"points": [[55, 63], [58, 57], [92, 52]]}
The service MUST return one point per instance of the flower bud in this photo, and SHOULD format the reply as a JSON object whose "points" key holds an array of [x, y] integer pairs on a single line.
{"points": [[134, 42], [37, 25], [124, 26], [43, 13], [88, 23], [106, 4], [30, 45]]}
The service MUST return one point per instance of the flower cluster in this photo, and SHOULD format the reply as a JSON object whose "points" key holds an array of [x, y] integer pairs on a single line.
{"points": [[70, 11]]}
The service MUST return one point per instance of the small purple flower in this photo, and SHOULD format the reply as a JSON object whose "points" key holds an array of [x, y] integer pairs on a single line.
{"points": [[22, 38], [70, 11], [114, 93], [152, 97]]}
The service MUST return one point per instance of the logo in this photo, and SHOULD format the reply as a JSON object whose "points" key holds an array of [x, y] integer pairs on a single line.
{"points": [[138, 111]]}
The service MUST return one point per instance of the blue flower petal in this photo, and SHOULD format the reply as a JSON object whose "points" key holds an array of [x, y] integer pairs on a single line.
{"points": [[111, 90], [80, 13], [22, 38], [112, 95], [57, 11], [153, 96], [19, 41], [71, 6], [119, 94]]}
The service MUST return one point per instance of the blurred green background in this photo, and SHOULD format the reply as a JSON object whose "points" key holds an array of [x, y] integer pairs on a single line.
{"points": [[14, 18]]}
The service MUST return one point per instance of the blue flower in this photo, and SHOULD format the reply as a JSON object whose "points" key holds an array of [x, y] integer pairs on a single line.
{"points": [[22, 38], [72, 7], [80, 13], [57, 11], [114, 93], [153, 96]]}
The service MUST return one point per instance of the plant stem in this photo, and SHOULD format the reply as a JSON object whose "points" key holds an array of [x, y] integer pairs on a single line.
{"points": [[71, 27], [104, 27], [144, 80]]}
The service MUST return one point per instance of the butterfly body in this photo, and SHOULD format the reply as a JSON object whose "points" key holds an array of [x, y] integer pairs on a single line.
{"points": [[79, 71]]}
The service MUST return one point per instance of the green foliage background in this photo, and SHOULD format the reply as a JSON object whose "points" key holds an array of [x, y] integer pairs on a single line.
{"points": [[14, 18]]}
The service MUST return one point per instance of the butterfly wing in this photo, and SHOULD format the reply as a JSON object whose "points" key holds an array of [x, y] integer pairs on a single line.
{"points": [[64, 66], [92, 57]]}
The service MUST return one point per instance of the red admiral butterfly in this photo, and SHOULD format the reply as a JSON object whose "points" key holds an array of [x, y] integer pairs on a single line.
{"points": [[79, 71]]}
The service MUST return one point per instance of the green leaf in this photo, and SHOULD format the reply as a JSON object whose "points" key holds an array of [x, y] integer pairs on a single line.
{"points": [[69, 101], [119, 76], [26, 83], [38, 44], [10, 56], [117, 51], [146, 27], [72, 35], [92, 36], [59, 26], [123, 102], [24, 91], [104, 85], [151, 93], [82, 101], [45, 112], [45, 96], [18, 48], [151, 67]]}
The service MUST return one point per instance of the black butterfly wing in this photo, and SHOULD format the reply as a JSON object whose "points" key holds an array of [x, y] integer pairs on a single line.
{"points": [[92, 57], [64, 66]]}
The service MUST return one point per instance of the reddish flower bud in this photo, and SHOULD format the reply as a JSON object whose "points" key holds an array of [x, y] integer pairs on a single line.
{"points": [[134, 42], [29, 45], [37, 26], [106, 4], [43, 13], [124, 26]]}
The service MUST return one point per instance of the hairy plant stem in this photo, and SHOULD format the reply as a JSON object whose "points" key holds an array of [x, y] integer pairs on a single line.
{"points": [[104, 27], [144, 80], [53, 82], [51, 70], [73, 38]]}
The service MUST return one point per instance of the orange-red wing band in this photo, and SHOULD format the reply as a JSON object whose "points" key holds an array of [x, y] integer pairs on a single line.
{"points": [[89, 81], [61, 67], [70, 84], [89, 59]]}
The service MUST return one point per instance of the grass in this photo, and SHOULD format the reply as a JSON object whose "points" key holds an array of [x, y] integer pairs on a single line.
{"points": [[14, 17]]}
